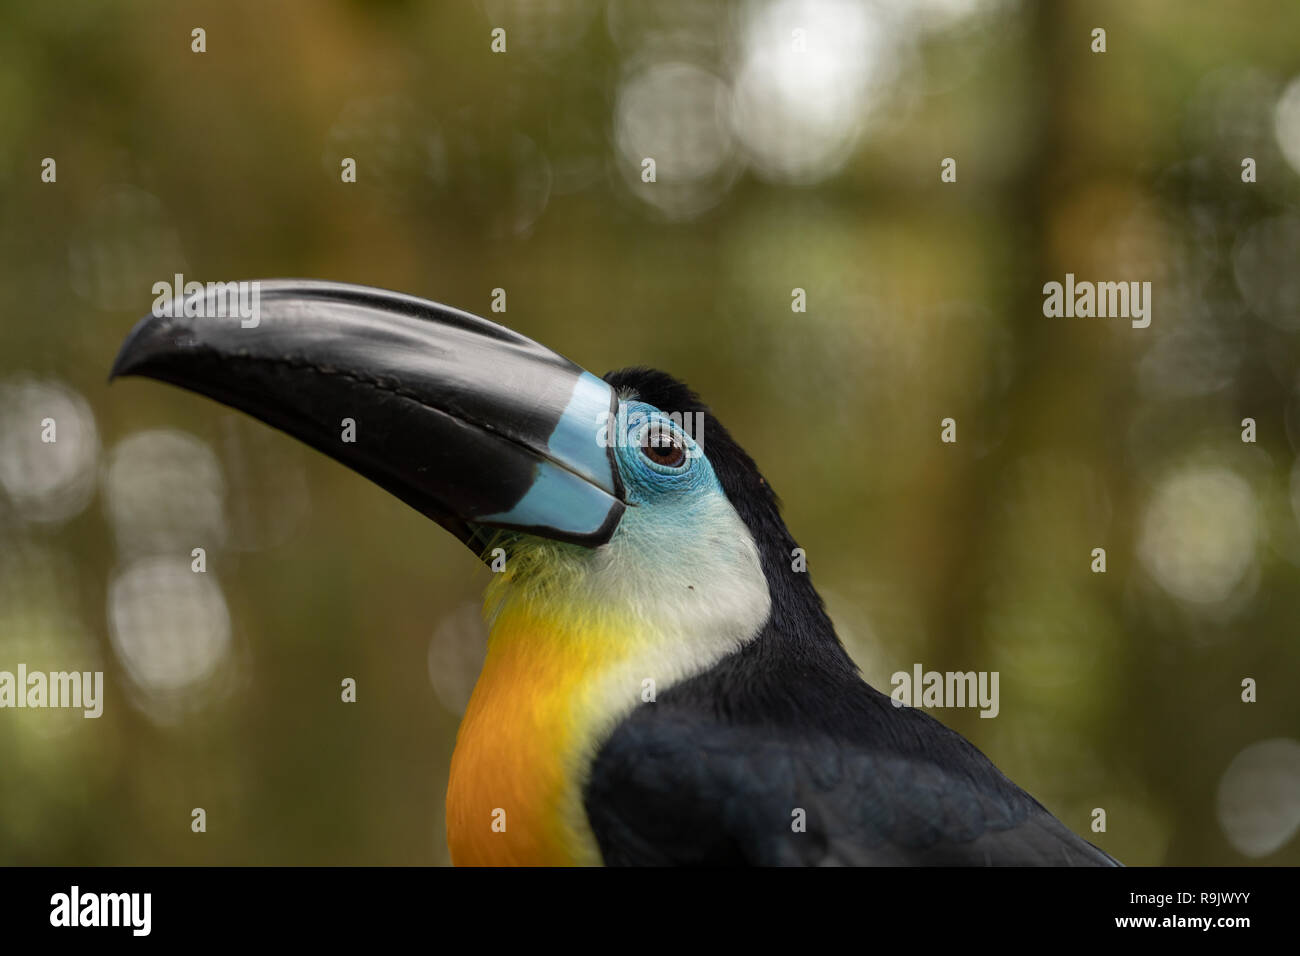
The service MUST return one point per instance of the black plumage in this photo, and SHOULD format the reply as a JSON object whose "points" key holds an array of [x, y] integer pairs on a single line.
{"points": [[714, 771]]}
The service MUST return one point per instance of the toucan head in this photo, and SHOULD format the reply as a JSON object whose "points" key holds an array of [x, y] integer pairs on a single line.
{"points": [[626, 481]]}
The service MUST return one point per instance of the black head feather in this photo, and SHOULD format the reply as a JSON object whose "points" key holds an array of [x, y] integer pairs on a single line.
{"points": [[710, 772]]}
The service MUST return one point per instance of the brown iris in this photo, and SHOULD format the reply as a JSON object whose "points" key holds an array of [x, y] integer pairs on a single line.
{"points": [[662, 447]]}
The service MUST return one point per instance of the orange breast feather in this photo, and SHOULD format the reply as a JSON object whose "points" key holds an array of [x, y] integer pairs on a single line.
{"points": [[514, 795]]}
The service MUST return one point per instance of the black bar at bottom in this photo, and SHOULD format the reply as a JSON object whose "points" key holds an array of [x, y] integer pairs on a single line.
{"points": [[911, 907]]}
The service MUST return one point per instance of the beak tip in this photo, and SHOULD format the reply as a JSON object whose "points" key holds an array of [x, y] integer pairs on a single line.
{"points": [[121, 367], [144, 342]]}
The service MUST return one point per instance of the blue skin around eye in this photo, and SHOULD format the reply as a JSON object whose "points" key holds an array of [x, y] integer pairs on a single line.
{"points": [[645, 484]]}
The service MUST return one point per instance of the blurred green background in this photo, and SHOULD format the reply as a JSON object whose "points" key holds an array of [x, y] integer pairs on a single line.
{"points": [[776, 169]]}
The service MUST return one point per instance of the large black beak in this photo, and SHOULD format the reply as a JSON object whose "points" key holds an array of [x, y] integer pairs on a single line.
{"points": [[466, 421]]}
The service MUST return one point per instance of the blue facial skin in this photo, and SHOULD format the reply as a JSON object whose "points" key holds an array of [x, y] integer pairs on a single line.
{"points": [[650, 483], [672, 497], [679, 533]]}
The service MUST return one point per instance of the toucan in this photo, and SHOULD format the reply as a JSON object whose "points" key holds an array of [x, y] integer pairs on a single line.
{"points": [[662, 684]]}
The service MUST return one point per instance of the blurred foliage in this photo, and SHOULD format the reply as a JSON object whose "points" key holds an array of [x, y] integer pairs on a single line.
{"points": [[520, 171]]}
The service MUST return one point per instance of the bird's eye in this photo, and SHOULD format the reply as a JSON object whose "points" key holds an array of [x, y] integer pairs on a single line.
{"points": [[662, 448]]}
